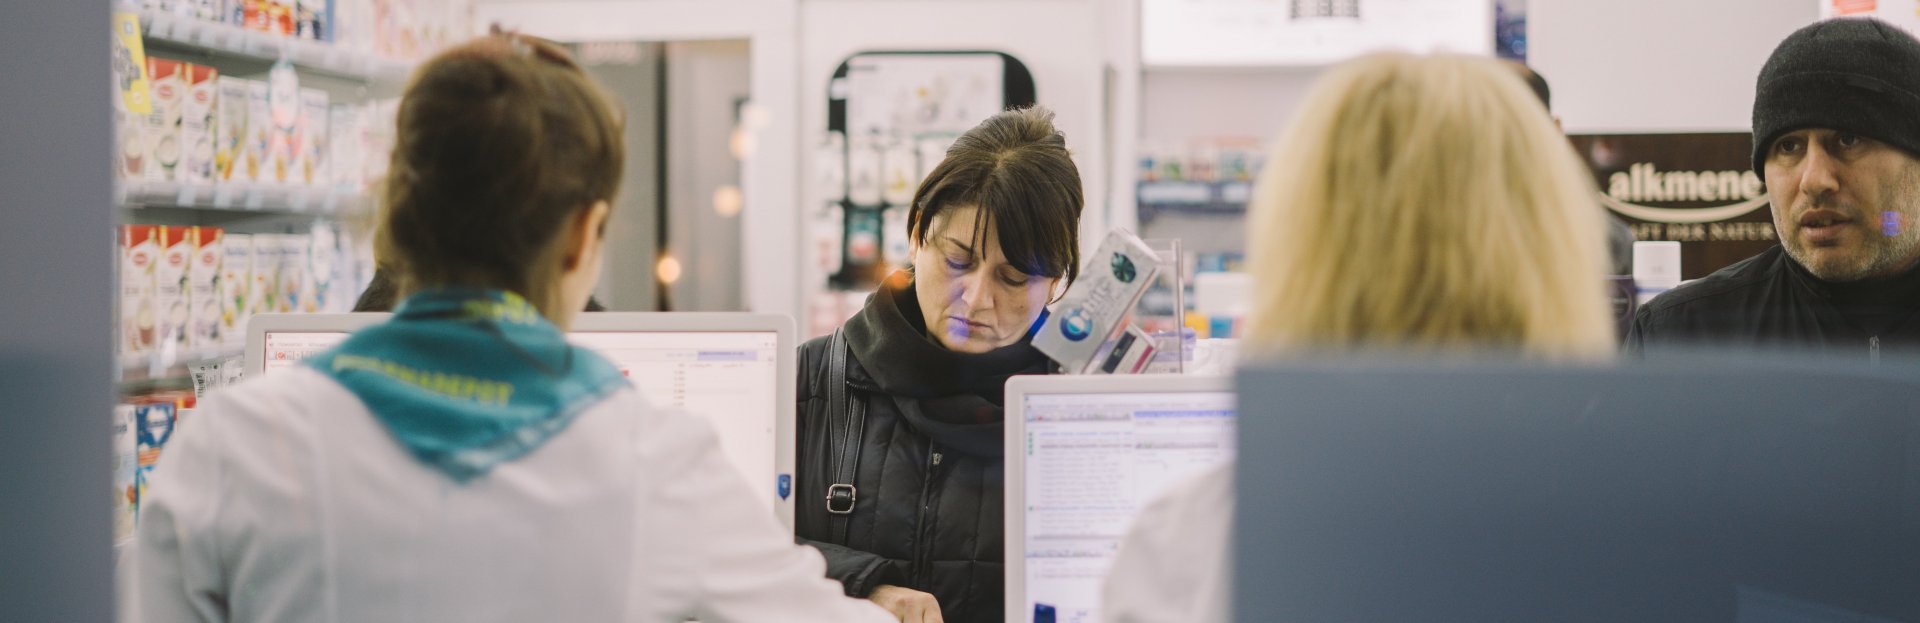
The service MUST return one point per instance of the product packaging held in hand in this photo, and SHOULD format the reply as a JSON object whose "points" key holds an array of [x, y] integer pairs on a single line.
{"points": [[1093, 310]]}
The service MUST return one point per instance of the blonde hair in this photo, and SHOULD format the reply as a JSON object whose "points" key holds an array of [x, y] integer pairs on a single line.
{"points": [[1426, 204]]}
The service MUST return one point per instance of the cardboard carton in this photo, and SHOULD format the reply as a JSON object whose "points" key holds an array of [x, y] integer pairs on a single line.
{"points": [[162, 132], [230, 129], [203, 294], [170, 286], [139, 251], [236, 281], [197, 124], [314, 123], [1093, 309]]}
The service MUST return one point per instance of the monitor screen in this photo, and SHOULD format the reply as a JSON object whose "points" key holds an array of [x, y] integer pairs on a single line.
{"points": [[285, 349], [730, 377], [1092, 460]]}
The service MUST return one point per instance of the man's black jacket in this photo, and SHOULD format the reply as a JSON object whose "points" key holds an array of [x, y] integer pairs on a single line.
{"points": [[1769, 302]]}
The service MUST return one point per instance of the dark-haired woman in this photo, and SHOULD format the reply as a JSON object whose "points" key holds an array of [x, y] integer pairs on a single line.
{"points": [[900, 410], [462, 461]]}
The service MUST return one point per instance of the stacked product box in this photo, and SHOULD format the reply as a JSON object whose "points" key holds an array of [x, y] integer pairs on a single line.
{"points": [[139, 251], [230, 130], [151, 420], [170, 287], [264, 296], [400, 29], [257, 152], [192, 290], [317, 285], [203, 290], [286, 140], [236, 281], [168, 81], [292, 267], [197, 124], [126, 465], [314, 121], [209, 129]]}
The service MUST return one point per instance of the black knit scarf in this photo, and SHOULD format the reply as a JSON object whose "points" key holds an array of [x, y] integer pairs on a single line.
{"points": [[954, 398]]}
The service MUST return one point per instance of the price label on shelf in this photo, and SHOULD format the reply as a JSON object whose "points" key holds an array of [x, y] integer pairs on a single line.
{"points": [[255, 198], [297, 199], [331, 203], [259, 44], [159, 25], [214, 35], [306, 53], [223, 195], [188, 195]]}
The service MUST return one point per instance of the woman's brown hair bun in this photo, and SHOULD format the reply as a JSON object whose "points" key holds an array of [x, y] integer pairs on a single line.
{"points": [[499, 142]]}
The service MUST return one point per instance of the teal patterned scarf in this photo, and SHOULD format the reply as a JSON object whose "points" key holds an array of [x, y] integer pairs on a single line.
{"points": [[467, 379]]}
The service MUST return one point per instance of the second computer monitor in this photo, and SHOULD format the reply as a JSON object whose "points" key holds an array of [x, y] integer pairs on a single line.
{"points": [[736, 370], [1084, 454]]}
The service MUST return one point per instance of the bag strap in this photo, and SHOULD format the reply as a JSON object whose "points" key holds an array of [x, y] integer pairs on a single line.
{"points": [[846, 423]]}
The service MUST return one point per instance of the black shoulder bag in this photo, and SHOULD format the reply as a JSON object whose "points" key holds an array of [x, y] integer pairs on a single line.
{"points": [[846, 422]]}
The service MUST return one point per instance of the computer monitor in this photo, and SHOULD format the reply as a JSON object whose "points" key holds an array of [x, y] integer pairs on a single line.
{"points": [[280, 341], [735, 369], [1084, 454], [1717, 490]]}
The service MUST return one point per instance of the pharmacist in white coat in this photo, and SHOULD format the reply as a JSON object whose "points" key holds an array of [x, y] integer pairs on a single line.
{"points": [[463, 462]]}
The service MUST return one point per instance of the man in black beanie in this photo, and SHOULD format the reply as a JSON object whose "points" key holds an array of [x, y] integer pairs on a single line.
{"points": [[1836, 137]]}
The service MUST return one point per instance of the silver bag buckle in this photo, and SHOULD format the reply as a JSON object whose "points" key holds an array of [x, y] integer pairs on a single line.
{"points": [[840, 499]]}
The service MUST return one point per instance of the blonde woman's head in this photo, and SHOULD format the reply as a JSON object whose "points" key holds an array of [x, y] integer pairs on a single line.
{"points": [[1426, 204]]}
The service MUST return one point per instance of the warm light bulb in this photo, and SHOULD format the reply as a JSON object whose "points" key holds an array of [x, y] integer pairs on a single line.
{"points": [[742, 143], [668, 269], [727, 201]]}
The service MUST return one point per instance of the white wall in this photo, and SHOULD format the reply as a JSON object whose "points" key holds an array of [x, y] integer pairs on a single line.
{"points": [[769, 177], [1657, 65], [704, 78], [1179, 104], [627, 282]]}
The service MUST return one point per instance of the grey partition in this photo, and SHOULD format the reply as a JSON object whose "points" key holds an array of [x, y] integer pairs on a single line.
{"points": [[1677, 491], [56, 306]]}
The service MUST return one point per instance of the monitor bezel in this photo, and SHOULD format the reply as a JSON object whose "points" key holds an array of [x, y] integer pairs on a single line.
{"points": [[260, 325], [1018, 389]]}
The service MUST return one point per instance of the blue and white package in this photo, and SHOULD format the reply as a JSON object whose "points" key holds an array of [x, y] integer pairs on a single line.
{"points": [[1092, 310]]}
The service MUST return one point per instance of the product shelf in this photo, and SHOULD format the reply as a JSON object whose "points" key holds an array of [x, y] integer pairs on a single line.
{"points": [[169, 31], [1193, 197], [242, 197], [147, 371]]}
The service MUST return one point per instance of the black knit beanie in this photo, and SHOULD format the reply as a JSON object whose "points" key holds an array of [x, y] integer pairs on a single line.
{"points": [[1849, 74]]}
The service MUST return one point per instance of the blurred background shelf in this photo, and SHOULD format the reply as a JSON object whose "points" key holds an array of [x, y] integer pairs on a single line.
{"points": [[159, 202], [183, 36], [1193, 197]]}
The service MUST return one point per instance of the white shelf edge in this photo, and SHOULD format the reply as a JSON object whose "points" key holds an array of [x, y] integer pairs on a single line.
{"points": [[271, 198], [229, 40]]}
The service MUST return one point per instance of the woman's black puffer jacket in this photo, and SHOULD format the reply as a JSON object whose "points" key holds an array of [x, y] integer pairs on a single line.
{"points": [[928, 514]]}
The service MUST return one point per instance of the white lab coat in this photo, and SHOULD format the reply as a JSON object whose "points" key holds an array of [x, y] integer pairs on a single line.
{"points": [[284, 500], [1173, 565]]}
